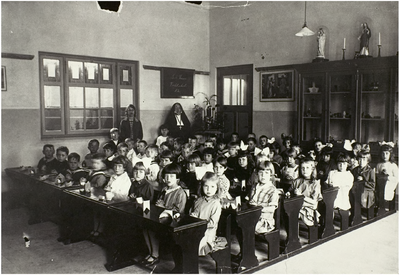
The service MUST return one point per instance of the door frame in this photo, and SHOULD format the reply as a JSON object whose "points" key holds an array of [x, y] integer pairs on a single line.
{"points": [[237, 70]]}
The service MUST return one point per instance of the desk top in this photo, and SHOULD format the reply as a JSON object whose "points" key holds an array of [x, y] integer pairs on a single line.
{"points": [[25, 172], [244, 209], [135, 211], [96, 195]]}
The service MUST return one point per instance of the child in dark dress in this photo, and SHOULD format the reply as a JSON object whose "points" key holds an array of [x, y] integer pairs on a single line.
{"points": [[140, 187], [48, 162]]}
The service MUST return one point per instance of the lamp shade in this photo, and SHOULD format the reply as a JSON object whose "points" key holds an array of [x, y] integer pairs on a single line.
{"points": [[305, 31]]}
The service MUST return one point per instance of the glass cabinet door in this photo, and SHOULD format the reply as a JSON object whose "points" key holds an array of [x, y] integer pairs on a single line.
{"points": [[342, 107], [375, 89], [312, 106]]}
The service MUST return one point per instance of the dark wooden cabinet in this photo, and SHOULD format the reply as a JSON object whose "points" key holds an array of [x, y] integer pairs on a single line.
{"points": [[346, 99]]}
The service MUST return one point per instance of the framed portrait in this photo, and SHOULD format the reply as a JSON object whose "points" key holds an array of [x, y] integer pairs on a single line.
{"points": [[3, 78], [176, 83], [277, 86]]}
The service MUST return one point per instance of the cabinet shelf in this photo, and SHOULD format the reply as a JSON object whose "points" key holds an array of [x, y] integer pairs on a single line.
{"points": [[340, 118], [340, 93], [308, 93], [373, 92], [372, 119], [312, 117]]}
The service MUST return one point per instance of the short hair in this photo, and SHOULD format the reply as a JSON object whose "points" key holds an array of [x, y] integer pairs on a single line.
{"points": [[164, 126], [209, 176], [252, 139], [342, 157], [74, 156], [139, 166], [309, 160], [208, 151], [364, 153], [235, 133], [172, 168], [355, 144], [100, 156], [232, 144], [266, 165], [179, 140], [143, 141], [122, 144], [291, 152], [167, 154], [110, 146], [51, 146], [317, 140], [194, 158], [94, 141], [263, 136], [120, 160], [209, 141], [221, 160], [129, 140], [326, 151], [165, 143], [152, 147], [112, 130], [63, 149]]}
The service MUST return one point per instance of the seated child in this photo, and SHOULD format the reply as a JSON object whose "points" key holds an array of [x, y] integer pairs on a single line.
{"points": [[208, 207], [140, 186], [232, 161], [221, 150], [389, 170], [62, 163], [119, 183], [141, 149], [193, 142], [263, 141], [164, 147], [356, 146], [220, 166], [74, 173], [242, 173], [98, 176], [164, 135], [110, 150], [365, 174], [326, 164], [170, 141], [318, 146], [235, 138], [114, 135], [289, 170], [251, 148], [150, 162], [308, 185], [122, 150], [189, 177], [287, 142], [185, 153], [131, 149], [265, 194], [178, 143], [166, 157], [209, 144], [208, 159], [48, 162], [343, 179], [93, 147], [172, 198], [275, 147]]}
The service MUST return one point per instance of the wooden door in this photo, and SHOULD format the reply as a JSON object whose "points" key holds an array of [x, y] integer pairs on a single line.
{"points": [[235, 96]]}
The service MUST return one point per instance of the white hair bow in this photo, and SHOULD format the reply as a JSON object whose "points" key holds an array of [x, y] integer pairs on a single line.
{"points": [[271, 140], [390, 143], [243, 146], [347, 144], [264, 151]]}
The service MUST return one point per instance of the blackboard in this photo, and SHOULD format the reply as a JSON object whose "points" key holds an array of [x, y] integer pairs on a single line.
{"points": [[176, 83]]}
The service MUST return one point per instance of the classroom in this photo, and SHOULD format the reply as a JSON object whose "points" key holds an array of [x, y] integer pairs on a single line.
{"points": [[240, 75]]}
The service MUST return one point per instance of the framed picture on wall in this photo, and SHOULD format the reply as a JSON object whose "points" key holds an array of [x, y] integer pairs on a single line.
{"points": [[277, 86], [3, 78]]}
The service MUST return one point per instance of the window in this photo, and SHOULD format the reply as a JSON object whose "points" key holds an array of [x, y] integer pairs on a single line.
{"points": [[82, 96], [235, 87]]}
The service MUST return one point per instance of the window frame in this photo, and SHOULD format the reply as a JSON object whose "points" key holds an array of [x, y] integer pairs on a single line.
{"points": [[64, 83]]}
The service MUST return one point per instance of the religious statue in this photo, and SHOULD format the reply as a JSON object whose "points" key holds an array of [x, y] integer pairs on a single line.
{"points": [[364, 39], [321, 37]]}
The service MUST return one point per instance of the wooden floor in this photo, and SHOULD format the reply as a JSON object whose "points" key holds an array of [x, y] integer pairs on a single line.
{"points": [[372, 249]]}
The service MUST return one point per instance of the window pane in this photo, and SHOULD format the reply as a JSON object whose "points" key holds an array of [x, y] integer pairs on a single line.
{"points": [[92, 119], [76, 97], [126, 97], [75, 70], [227, 91], [76, 120], [92, 97], [52, 97], [107, 113], [106, 97], [52, 119], [235, 90], [92, 71], [106, 123], [51, 69]]}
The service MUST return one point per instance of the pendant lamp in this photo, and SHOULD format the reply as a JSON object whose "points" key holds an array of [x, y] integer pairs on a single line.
{"points": [[305, 31]]}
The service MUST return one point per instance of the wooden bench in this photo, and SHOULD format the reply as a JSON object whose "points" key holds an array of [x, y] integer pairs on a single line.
{"points": [[292, 208], [222, 257], [329, 195]]}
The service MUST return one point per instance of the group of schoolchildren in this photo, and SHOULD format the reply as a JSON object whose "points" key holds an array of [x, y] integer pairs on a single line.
{"points": [[202, 176]]}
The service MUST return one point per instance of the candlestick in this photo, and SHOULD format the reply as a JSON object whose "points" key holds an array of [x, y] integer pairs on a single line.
{"points": [[379, 39], [344, 50], [344, 43], [379, 50]]}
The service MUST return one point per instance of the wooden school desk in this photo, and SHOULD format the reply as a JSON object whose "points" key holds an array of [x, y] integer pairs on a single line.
{"points": [[42, 197], [185, 232]]}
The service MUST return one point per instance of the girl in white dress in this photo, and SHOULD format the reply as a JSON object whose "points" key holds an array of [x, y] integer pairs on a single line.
{"points": [[389, 169]]}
